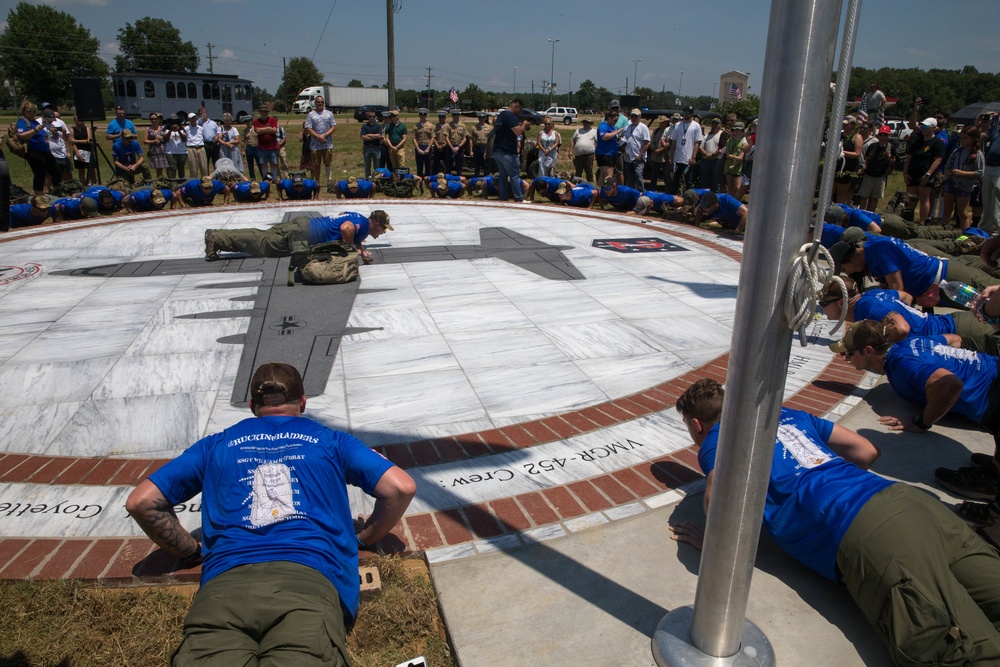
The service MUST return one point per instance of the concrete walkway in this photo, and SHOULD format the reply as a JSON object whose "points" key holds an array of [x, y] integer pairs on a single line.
{"points": [[595, 597]]}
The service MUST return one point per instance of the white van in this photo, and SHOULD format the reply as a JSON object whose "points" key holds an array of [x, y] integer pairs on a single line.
{"points": [[566, 114]]}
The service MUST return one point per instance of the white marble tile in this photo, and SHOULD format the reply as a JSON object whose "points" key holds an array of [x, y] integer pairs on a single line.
{"points": [[500, 315], [156, 426], [685, 333], [543, 533], [40, 510], [521, 347], [185, 336], [501, 543], [52, 382], [663, 499], [373, 357], [66, 344], [29, 428], [594, 340], [618, 377], [445, 554], [585, 522], [163, 374], [391, 323], [552, 386], [624, 511], [404, 399]]}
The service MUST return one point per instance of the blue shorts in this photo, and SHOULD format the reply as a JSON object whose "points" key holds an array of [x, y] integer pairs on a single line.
{"points": [[267, 157], [952, 186]]}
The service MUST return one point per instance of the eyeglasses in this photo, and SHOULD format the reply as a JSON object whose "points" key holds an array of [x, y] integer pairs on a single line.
{"points": [[826, 302]]}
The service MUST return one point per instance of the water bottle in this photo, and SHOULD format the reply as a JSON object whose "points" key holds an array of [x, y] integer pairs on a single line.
{"points": [[959, 292]]}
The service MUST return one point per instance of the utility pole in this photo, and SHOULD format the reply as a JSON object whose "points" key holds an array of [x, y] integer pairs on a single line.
{"points": [[390, 38], [210, 46], [552, 69], [428, 102], [569, 88]]}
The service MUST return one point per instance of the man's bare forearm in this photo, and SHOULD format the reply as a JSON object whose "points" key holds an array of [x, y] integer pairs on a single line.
{"points": [[166, 531]]}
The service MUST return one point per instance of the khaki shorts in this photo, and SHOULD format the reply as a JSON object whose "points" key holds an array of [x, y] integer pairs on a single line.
{"points": [[872, 186], [322, 157]]}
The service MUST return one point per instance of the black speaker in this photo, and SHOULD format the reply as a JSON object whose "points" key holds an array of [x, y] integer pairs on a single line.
{"points": [[87, 98]]}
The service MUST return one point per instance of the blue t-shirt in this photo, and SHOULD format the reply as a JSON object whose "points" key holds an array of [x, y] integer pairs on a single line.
{"points": [[192, 190], [20, 216], [728, 212], [275, 488], [830, 235], [364, 191], [114, 127], [326, 229], [859, 218], [68, 208], [241, 191], [453, 189], [661, 198], [581, 196], [813, 495], [39, 141], [551, 185], [885, 255], [625, 198], [602, 147], [875, 304], [140, 200], [126, 154], [487, 184], [94, 192], [309, 186], [504, 139], [910, 363]]}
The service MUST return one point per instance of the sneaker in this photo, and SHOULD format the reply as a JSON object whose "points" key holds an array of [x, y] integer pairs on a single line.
{"points": [[973, 482], [329, 187], [210, 250], [984, 461], [984, 514]]}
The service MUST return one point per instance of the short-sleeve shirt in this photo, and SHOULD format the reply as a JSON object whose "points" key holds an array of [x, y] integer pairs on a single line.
{"points": [[309, 186], [453, 190], [68, 208], [505, 141], [195, 136], [686, 137], [266, 142], [320, 123], [624, 198], [140, 200], [192, 190], [635, 136], [275, 488], [609, 147], [660, 199], [457, 134], [584, 141], [885, 255], [875, 304], [365, 189], [480, 135], [551, 184], [423, 133], [728, 212], [922, 154], [580, 196], [94, 192], [910, 363], [326, 229], [39, 141], [126, 155], [21, 216], [371, 128], [813, 494], [241, 191], [395, 133], [209, 130], [859, 218], [114, 127]]}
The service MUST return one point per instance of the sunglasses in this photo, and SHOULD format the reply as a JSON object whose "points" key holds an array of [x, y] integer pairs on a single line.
{"points": [[826, 302]]}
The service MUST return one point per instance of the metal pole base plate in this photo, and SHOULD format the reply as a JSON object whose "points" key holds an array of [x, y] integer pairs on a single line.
{"points": [[672, 646]]}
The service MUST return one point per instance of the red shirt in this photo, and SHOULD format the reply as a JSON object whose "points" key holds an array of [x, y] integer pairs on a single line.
{"points": [[266, 142]]}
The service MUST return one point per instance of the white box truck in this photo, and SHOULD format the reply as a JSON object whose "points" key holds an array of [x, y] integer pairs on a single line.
{"points": [[339, 98]]}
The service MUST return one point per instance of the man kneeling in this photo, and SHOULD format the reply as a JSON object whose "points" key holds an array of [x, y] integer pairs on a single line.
{"points": [[279, 573], [928, 585]]}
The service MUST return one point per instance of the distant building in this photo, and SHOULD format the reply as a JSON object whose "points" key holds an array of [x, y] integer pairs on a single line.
{"points": [[733, 85], [142, 92]]}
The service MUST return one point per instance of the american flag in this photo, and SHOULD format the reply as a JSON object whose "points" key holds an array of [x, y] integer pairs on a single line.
{"points": [[453, 94], [734, 91], [863, 109]]}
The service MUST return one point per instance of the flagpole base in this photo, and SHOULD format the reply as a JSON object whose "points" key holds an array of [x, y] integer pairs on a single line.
{"points": [[672, 645]]}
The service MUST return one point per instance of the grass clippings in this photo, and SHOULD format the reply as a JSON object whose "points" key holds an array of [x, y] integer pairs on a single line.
{"points": [[75, 624]]}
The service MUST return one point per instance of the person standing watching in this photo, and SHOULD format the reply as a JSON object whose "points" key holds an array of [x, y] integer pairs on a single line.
{"points": [[176, 149], [636, 144], [480, 138], [117, 124], [924, 155], [607, 149], [423, 145], [509, 129], [371, 143], [395, 140], [711, 149], [989, 127], [196, 148], [267, 143], [581, 150], [320, 126], [39, 156], [209, 134], [685, 138], [277, 530]]}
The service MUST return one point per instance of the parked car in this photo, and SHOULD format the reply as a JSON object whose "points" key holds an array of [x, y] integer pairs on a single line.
{"points": [[565, 114], [533, 117], [361, 113]]}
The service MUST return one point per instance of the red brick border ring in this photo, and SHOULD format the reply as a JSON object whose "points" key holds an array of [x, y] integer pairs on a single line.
{"points": [[129, 560]]}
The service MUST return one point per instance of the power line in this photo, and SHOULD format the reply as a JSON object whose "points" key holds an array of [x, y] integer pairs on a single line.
{"points": [[318, 41]]}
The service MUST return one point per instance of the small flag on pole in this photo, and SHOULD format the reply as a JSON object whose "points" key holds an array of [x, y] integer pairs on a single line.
{"points": [[453, 94], [734, 91]]}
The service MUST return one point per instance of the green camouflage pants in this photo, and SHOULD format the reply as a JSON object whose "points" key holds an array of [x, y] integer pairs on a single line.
{"points": [[277, 241]]}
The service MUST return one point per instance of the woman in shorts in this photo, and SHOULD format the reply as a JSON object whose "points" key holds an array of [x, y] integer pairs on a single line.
{"points": [[962, 171], [82, 158], [155, 138]]}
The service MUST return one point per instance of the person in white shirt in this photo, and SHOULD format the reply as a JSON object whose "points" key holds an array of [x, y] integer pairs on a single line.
{"points": [[636, 143], [581, 149], [196, 148], [685, 137], [319, 127], [711, 149]]}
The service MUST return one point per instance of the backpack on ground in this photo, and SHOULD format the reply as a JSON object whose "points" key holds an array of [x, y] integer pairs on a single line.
{"points": [[333, 263]]}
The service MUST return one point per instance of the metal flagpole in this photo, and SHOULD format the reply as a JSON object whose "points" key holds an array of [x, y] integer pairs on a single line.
{"points": [[798, 61]]}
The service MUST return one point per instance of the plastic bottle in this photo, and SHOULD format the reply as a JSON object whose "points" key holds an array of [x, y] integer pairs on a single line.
{"points": [[960, 293]]}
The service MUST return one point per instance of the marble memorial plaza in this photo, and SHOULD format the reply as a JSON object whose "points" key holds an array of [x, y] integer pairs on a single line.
{"points": [[521, 362]]}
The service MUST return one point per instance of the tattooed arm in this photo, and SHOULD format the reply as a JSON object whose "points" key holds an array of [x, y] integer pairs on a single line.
{"points": [[155, 515]]}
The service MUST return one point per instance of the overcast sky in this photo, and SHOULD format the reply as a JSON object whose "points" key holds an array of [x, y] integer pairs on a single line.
{"points": [[683, 47]]}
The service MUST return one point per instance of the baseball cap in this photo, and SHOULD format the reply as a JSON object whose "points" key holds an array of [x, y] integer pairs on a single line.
{"points": [[859, 336], [562, 189], [157, 197], [635, 112], [716, 121], [352, 181], [379, 214], [455, 112], [393, 113], [642, 204], [850, 119], [206, 182], [254, 188], [615, 104], [834, 215], [192, 115], [88, 207], [691, 196], [929, 122], [128, 134], [708, 199], [676, 116], [843, 250], [47, 112], [482, 114], [689, 109], [739, 126], [586, 121], [610, 180], [40, 201], [885, 129], [274, 384]]}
